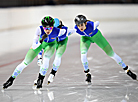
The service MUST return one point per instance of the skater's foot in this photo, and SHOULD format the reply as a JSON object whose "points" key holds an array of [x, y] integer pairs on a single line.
{"points": [[50, 78], [88, 78], [132, 75], [129, 73], [8, 83], [40, 81]]}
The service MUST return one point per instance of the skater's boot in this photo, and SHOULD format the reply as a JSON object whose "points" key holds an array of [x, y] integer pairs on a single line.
{"points": [[8, 83], [51, 76], [88, 76], [40, 81], [39, 61], [129, 73]]}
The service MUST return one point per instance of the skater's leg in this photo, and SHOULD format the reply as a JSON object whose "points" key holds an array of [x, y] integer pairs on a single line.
{"points": [[118, 60], [103, 44], [123, 65], [40, 54], [56, 64], [48, 53], [106, 47], [39, 60], [60, 49], [19, 69], [31, 54], [84, 46], [42, 72], [44, 66], [28, 59]]}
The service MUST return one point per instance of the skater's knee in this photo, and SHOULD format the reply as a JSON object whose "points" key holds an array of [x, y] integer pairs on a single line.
{"points": [[26, 63], [59, 55], [110, 53], [83, 52], [48, 55], [108, 50]]}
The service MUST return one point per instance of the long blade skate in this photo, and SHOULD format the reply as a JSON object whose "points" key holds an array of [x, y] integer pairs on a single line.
{"points": [[88, 79], [8, 83], [50, 78], [40, 81], [37, 91], [37, 86], [132, 75]]}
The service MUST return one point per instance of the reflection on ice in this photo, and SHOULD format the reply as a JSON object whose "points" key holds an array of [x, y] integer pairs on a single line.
{"points": [[73, 93], [123, 100], [50, 95]]}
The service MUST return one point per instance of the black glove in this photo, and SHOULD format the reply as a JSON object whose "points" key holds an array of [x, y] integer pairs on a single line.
{"points": [[43, 37]]}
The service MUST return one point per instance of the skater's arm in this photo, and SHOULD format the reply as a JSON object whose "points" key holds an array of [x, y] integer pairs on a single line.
{"points": [[36, 42], [43, 38], [61, 32], [37, 35], [71, 31], [96, 24]]}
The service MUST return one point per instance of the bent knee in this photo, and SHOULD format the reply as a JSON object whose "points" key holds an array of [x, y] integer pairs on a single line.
{"points": [[84, 52]]}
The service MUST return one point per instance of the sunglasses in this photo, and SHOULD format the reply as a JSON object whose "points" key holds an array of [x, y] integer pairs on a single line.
{"points": [[47, 28]]}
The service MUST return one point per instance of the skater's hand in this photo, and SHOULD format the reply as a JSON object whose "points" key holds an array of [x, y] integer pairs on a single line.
{"points": [[43, 38], [96, 24], [36, 45]]}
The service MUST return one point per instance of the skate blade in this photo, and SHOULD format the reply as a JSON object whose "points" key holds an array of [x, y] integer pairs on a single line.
{"points": [[34, 87], [37, 90], [88, 83], [2, 90]]}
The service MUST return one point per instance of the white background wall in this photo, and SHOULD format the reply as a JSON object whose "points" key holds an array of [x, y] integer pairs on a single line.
{"points": [[17, 25]]}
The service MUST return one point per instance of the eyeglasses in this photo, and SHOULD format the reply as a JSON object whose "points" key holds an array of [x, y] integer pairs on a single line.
{"points": [[47, 28]]}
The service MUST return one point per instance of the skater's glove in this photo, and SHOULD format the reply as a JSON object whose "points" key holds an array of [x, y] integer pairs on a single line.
{"points": [[36, 45], [43, 38], [96, 24]]}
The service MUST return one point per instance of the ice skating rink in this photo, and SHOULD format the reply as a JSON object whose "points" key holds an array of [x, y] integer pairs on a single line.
{"points": [[119, 25]]}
